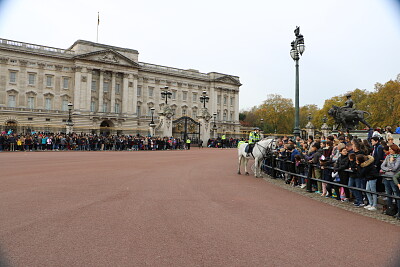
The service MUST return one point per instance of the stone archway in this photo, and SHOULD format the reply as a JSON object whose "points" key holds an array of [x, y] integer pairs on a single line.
{"points": [[106, 127]]}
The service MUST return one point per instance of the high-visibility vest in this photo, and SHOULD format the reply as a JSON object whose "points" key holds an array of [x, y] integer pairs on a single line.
{"points": [[223, 137], [188, 141], [253, 137], [241, 142]]}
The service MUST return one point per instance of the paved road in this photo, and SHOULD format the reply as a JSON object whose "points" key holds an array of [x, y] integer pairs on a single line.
{"points": [[171, 208]]}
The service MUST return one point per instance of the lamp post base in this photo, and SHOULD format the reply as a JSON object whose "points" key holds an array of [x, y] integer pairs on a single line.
{"points": [[69, 129], [152, 129], [296, 132]]}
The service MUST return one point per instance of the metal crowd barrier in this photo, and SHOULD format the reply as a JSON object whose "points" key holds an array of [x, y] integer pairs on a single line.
{"points": [[274, 168]]}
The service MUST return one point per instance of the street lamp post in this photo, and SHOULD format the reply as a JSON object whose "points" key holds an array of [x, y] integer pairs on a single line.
{"points": [[262, 124], [166, 94], [296, 51], [152, 124], [215, 125], [69, 121], [204, 99], [152, 116]]}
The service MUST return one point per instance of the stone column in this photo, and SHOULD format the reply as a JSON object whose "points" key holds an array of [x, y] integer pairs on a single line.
{"points": [[133, 105], [23, 81], [325, 130], [236, 95], [125, 93], [112, 106], [325, 127], [89, 88], [83, 93], [101, 82], [213, 99], [77, 89], [310, 128]]}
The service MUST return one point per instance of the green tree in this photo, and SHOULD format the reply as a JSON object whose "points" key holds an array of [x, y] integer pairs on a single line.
{"points": [[384, 104], [304, 113], [242, 116], [278, 114]]}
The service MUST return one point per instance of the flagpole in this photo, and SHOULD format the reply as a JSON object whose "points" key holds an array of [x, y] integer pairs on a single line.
{"points": [[98, 22]]}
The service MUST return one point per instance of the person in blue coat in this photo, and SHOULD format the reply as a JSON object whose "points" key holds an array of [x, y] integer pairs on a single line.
{"points": [[397, 129]]}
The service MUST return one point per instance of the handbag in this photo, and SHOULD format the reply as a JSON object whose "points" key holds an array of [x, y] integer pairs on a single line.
{"points": [[335, 176]]}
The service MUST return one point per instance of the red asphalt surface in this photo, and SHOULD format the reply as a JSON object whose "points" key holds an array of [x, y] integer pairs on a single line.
{"points": [[171, 208]]}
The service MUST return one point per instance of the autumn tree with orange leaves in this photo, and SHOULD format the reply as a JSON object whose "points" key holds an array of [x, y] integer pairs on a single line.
{"points": [[277, 112]]}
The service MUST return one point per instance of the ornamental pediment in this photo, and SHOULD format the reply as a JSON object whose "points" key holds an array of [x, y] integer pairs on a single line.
{"points": [[108, 56], [228, 79]]}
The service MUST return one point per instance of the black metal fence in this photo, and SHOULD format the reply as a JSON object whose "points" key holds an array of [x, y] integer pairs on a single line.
{"points": [[272, 168]]}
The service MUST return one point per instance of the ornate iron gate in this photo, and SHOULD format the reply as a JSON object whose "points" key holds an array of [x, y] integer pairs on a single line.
{"points": [[185, 127]]}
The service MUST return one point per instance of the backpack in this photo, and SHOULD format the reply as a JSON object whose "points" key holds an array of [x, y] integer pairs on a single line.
{"points": [[391, 210]]}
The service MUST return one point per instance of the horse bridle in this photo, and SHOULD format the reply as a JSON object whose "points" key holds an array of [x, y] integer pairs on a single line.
{"points": [[268, 148]]}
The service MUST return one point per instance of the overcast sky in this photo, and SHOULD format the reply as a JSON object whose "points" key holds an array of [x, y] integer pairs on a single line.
{"points": [[349, 43]]}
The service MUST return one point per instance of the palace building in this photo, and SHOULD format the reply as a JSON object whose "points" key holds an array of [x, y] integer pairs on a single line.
{"points": [[109, 87]]}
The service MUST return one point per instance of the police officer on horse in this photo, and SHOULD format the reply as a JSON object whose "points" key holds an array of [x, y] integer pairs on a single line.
{"points": [[254, 137]]}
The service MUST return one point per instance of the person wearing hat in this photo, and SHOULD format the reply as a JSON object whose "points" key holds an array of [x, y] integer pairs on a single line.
{"points": [[254, 137]]}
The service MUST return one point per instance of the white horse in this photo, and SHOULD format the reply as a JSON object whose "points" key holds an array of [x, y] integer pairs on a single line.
{"points": [[259, 151]]}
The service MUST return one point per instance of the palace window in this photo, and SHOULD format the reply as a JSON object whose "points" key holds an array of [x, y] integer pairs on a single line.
{"points": [[117, 88], [225, 99], [117, 108], [31, 78], [64, 105], [106, 86], [184, 96], [194, 98], [225, 116], [184, 112], [194, 113], [94, 86], [49, 81], [151, 91], [92, 106], [139, 91], [232, 116], [219, 99], [31, 102], [105, 107], [174, 95], [138, 111], [232, 101], [11, 101], [65, 83], [218, 115], [13, 77], [48, 103]]}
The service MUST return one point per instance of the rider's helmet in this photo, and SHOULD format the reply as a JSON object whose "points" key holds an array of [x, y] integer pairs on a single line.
{"points": [[348, 95]]}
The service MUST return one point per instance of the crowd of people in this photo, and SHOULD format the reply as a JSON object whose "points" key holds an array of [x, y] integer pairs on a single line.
{"points": [[223, 142], [91, 142], [87, 142], [372, 164]]}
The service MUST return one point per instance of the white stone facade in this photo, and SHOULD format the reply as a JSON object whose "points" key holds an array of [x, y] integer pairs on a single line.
{"points": [[109, 88]]}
